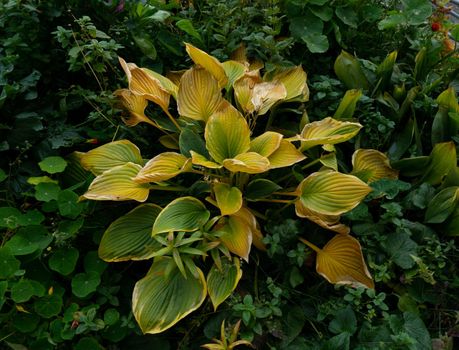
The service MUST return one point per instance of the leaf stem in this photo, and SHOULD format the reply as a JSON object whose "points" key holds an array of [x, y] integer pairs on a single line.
{"points": [[291, 194], [173, 120], [275, 200], [310, 245], [167, 188]]}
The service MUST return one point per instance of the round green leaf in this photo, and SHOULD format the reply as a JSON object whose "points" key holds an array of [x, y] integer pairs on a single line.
{"points": [[8, 263], [64, 260], [46, 191], [25, 322], [183, 214], [111, 316], [159, 302], [48, 306], [67, 202], [87, 343], [260, 188], [32, 217], [22, 291], [229, 199], [84, 284], [28, 240], [53, 165], [220, 283], [129, 237], [10, 217], [92, 262]]}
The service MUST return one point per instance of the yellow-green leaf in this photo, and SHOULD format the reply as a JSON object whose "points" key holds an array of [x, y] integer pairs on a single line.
{"points": [[141, 82], [347, 105], [110, 155], [229, 199], [236, 235], [257, 237], [208, 62], [227, 134], [266, 143], [250, 163], [221, 283], [370, 165], [327, 131], [234, 70], [265, 95], [116, 184], [198, 159], [349, 71], [243, 90], [328, 222], [129, 237], [199, 96], [329, 160], [135, 105], [442, 160], [341, 261], [294, 80], [166, 83], [285, 155], [159, 302], [163, 167], [332, 193], [182, 214]]}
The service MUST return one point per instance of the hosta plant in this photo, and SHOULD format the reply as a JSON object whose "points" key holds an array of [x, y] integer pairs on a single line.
{"points": [[224, 159]]}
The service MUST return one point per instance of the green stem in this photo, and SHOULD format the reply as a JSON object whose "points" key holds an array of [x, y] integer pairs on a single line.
{"points": [[291, 194], [173, 120], [275, 200]]}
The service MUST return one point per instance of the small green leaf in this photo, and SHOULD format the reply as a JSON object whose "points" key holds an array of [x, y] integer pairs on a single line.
{"points": [[344, 321], [187, 26], [182, 214], [28, 240], [400, 247], [92, 262], [347, 15], [53, 165], [8, 263], [46, 191], [84, 284], [32, 217], [191, 141], [10, 217], [111, 316], [3, 175], [48, 306], [22, 291], [3, 287], [64, 260], [25, 322]]}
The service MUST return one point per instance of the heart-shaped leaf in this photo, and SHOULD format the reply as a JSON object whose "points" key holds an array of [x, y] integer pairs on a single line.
{"points": [[341, 261], [234, 70], [250, 163], [328, 222], [221, 283], [110, 155], [227, 134], [294, 81], [266, 143], [236, 235], [163, 167], [332, 193], [285, 155], [182, 214], [129, 237], [116, 184], [159, 302], [370, 165], [199, 96], [229, 199]]}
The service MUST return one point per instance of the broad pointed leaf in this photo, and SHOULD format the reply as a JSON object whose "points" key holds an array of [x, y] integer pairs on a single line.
{"points": [[329, 160], [257, 237], [370, 165], [110, 155], [135, 105], [327, 131], [250, 163], [221, 283], [163, 167], [385, 70], [332, 193], [116, 184], [328, 222], [159, 302], [341, 261], [285, 155], [208, 62], [349, 71], [166, 83], [236, 235], [243, 90], [234, 70], [227, 134], [145, 84], [347, 105], [199, 96], [442, 160], [294, 80], [129, 237], [198, 159], [229, 199], [266, 143], [182, 214], [442, 205]]}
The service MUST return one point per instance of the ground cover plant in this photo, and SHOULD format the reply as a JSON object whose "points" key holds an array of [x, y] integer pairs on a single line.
{"points": [[203, 190]]}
